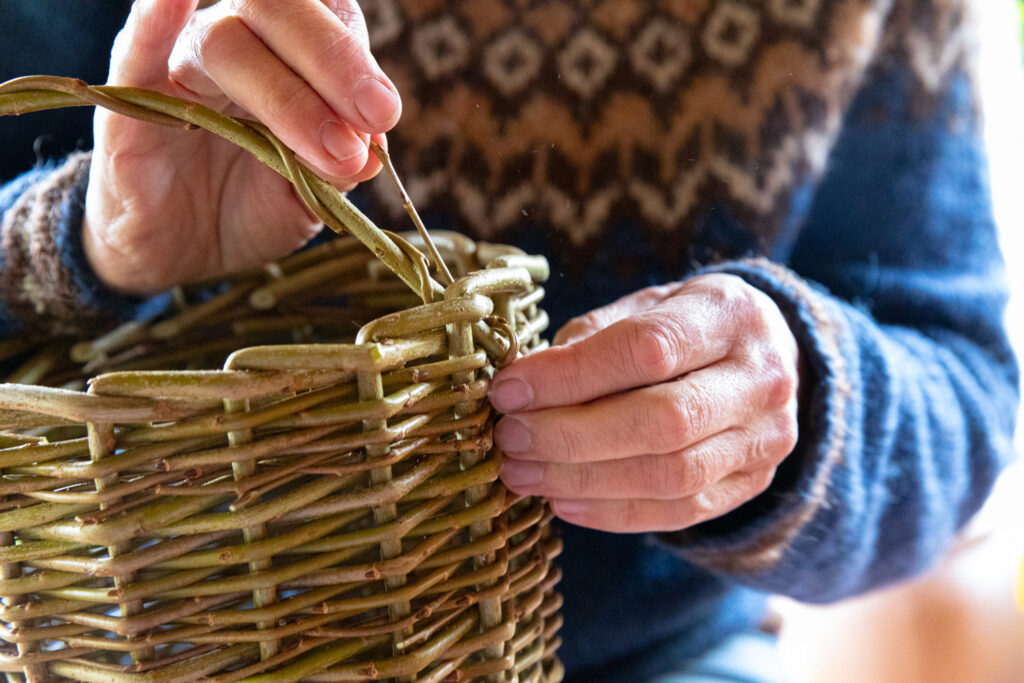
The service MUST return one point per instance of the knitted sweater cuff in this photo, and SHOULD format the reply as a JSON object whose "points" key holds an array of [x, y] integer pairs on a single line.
{"points": [[46, 285], [754, 538]]}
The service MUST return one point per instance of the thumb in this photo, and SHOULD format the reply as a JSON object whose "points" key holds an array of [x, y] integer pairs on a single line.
{"points": [[596, 320], [142, 48]]}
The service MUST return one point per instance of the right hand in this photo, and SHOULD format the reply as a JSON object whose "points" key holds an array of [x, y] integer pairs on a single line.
{"points": [[166, 206]]}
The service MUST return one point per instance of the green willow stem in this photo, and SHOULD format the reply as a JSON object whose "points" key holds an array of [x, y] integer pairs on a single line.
{"points": [[410, 208], [37, 93]]}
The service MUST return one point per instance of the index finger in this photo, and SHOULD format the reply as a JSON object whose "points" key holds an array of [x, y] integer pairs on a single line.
{"points": [[333, 56], [682, 334]]}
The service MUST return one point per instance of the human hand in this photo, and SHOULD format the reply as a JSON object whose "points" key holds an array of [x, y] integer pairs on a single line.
{"points": [[667, 408], [164, 206]]}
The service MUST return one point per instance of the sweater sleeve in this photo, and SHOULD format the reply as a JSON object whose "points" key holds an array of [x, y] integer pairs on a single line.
{"points": [[895, 291], [46, 285]]}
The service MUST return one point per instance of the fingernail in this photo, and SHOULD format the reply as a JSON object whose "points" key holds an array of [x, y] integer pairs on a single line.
{"points": [[512, 436], [377, 103], [509, 395], [340, 142], [569, 508], [516, 473]]}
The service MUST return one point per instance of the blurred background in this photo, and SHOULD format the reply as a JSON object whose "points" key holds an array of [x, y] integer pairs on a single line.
{"points": [[961, 623]]}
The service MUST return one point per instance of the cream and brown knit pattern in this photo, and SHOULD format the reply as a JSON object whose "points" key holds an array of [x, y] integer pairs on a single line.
{"points": [[576, 113]]}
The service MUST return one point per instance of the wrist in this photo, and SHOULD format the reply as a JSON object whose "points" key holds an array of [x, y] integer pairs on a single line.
{"points": [[108, 263]]}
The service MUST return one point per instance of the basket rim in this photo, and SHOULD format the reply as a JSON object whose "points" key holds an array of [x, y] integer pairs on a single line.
{"points": [[382, 344]]}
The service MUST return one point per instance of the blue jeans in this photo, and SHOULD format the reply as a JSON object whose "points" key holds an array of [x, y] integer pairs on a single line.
{"points": [[743, 658]]}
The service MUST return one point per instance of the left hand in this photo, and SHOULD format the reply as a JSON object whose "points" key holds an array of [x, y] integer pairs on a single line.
{"points": [[669, 407]]}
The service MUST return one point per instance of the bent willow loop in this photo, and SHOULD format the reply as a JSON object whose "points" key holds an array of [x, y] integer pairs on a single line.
{"points": [[287, 476]]}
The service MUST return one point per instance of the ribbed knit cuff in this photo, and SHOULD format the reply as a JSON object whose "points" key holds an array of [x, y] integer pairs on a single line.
{"points": [[754, 538], [46, 285]]}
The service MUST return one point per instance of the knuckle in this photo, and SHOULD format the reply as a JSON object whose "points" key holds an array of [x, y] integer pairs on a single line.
{"points": [[569, 444], [287, 102], [183, 64], [667, 430], [652, 348], [215, 40], [703, 507], [720, 291], [574, 375], [747, 305], [755, 306], [631, 515], [726, 294], [680, 419], [659, 477], [781, 378], [348, 11], [580, 482], [697, 471], [764, 449], [676, 475], [758, 481], [352, 17], [586, 322], [779, 442], [787, 433], [339, 47]]}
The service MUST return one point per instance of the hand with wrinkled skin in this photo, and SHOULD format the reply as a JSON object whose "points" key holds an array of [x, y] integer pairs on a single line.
{"points": [[166, 206], [667, 408]]}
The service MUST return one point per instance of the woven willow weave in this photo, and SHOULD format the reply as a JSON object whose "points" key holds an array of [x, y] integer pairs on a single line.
{"points": [[286, 477]]}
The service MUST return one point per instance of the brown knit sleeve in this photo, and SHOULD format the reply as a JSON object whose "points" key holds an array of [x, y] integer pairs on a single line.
{"points": [[42, 287]]}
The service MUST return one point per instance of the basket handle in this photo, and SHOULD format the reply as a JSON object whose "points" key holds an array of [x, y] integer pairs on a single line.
{"points": [[38, 93]]}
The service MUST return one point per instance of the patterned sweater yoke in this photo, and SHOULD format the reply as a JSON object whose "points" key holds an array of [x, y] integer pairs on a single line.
{"points": [[580, 115]]}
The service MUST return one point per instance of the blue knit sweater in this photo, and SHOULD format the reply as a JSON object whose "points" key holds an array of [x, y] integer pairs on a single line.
{"points": [[887, 267]]}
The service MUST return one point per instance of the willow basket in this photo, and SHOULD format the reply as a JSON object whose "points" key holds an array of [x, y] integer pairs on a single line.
{"points": [[288, 476]]}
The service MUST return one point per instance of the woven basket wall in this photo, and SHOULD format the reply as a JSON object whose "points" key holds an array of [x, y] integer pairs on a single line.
{"points": [[312, 511], [289, 476]]}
